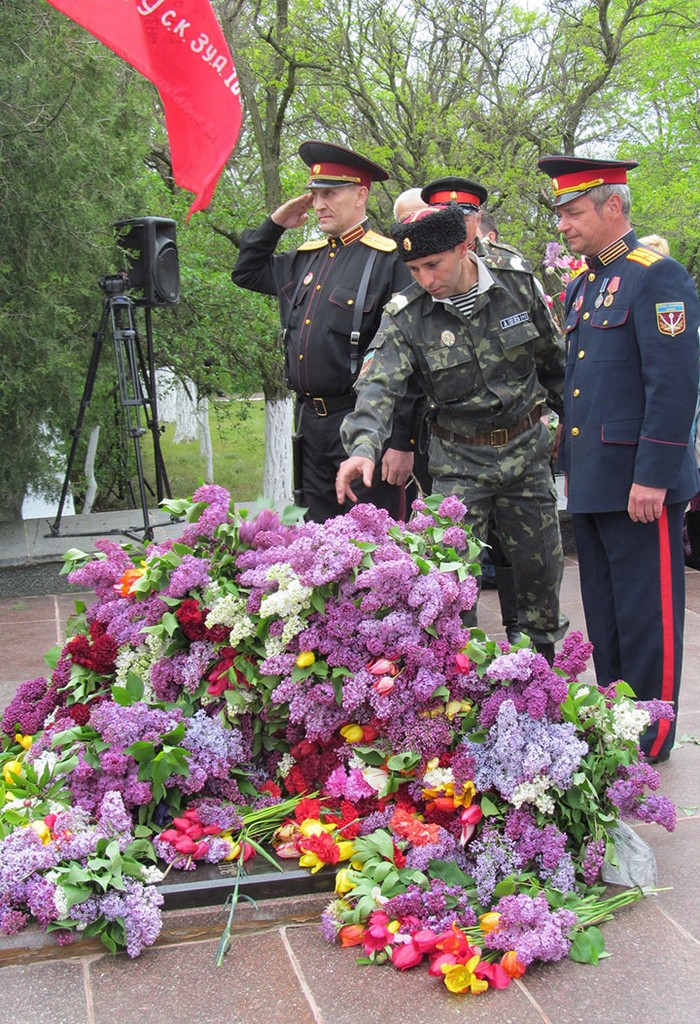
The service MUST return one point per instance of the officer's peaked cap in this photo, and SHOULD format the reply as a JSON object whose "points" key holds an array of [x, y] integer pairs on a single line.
{"points": [[333, 166], [573, 176], [428, 231], [469, 194]]}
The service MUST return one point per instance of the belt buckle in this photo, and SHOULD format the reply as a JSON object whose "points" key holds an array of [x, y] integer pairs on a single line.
{"points": [[319, 405], [496, 435]]}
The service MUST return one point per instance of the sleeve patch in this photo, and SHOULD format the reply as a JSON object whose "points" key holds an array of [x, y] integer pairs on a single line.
{"points": [[366, 363], [670, 318]]}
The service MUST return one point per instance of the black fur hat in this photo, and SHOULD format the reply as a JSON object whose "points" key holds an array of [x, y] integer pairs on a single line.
{"points": [[434, 229]]}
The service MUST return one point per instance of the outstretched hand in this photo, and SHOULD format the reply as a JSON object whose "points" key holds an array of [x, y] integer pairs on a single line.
{"points": [[294, 212], [354, 467]]}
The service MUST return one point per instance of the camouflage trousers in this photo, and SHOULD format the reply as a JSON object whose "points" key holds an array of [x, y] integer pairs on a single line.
{"points": [[514, 483]]}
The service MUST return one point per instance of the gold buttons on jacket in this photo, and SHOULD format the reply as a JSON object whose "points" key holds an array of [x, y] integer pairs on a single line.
{"points": [[591, 277], [586, 315], [576, 392], [307, 321], [581, 353], [575, 431]]}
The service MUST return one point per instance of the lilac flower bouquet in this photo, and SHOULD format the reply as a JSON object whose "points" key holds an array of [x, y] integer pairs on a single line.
{"points": [[314, 687]]}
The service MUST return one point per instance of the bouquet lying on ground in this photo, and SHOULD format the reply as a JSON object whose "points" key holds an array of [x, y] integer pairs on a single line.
{"points": [[312, 689]]}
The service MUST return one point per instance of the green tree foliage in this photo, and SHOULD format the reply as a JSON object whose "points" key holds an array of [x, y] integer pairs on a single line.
{"points": [[425, 89]]}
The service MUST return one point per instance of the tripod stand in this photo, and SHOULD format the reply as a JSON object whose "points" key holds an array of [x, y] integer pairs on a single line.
{"points": [[137, 393]]}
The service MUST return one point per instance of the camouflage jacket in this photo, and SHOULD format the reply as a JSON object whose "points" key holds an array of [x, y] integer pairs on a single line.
{"points": [[480, 373]]}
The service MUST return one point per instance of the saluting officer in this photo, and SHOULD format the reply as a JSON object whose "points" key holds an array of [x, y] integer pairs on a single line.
{"points": [[331, 292], [631, 326]]}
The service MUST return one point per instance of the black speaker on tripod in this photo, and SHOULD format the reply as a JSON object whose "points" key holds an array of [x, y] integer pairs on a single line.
{"points": [[151, 248]]}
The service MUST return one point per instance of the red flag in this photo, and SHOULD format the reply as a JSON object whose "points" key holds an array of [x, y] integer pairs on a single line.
{"points": [[179, 46]]}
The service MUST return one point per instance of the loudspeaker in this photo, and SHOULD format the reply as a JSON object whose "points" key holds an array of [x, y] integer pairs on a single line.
{"points": [[151, 249]]}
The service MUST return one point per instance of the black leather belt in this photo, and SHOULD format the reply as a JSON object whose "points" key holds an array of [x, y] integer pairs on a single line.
{"points": [[325, 406], [497, 438]]}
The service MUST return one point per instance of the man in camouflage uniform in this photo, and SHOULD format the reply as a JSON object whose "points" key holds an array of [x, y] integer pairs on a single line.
{"points": [[488, 354]]}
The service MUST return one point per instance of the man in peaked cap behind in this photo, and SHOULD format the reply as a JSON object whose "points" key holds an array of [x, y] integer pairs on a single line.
{"points": [[331, 293], [487, 354], [631, 327]]}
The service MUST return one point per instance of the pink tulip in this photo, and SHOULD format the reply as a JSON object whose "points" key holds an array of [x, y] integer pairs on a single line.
{"points": [[469, 818], [384, 685], [406, 956], [424, 940], [381, 666], [435, 969], [462, 663], [288, 851]]}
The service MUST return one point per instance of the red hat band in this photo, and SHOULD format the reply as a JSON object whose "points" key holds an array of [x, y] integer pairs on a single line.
{"points": [[340, 173], [455, 197], [581, 181]]}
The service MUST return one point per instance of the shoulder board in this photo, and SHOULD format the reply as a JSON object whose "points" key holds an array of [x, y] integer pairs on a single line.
{"points": [[399, 301], [505, 258], [376, 241], [313, 243], [644, 256]]}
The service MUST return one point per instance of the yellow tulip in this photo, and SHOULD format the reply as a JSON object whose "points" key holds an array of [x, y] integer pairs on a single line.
{"points": [[314, 827], [342, 882], [24, 741], [453, 708], [305, 659], [311, 860], [461, 977], [352, 733], [42, 830], [393, 926], [12, 771], [346, 849], [489, 921]]}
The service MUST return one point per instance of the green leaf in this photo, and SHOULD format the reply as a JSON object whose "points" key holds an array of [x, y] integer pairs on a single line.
{"points": [[488, 807], [122, 697], [369, 755], [588, 946]]}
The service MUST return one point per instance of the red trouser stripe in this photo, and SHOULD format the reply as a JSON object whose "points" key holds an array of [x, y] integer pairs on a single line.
{"points": [[667, 630]]}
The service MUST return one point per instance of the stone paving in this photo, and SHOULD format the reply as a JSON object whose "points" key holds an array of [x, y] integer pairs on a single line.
{"points": [[280, 971]]}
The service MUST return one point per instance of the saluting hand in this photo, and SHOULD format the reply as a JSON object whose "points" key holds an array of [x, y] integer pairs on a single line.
{"points": [[294, 212], [348, 471]]}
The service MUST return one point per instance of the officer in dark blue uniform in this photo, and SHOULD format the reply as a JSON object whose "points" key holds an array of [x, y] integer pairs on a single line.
{"points": [[331, 292], [631, 325]]}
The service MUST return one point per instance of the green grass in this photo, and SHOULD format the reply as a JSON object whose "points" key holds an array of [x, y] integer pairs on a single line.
{"points": [[238, 442]]}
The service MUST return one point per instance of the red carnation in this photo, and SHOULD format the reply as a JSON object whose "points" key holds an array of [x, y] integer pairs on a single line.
{"points": [[79, 713]]}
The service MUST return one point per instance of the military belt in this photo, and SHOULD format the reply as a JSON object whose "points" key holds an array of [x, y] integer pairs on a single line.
{"points": [[324, 406], [497, 438]]}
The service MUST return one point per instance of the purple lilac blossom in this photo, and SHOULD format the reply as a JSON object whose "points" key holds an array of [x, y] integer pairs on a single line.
{"points": [[191, 574], [529, 927], [103, 574], [519, 748], [30, 707]]}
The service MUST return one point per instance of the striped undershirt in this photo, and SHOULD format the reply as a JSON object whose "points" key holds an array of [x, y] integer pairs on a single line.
{"points": [[465, 300]]}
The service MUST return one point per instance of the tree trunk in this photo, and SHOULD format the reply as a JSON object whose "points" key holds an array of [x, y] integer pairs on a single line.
{"points": [[277, 479]]}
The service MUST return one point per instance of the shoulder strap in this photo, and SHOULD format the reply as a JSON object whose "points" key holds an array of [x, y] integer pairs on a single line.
{"points": [[357, 314]]}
